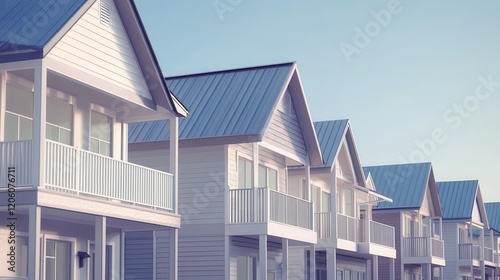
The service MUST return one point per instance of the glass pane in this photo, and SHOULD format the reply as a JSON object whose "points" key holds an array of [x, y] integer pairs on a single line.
{"points": [[65, 136], [262, 176], [273, 179], [11, 127], [25, 128], [314, 199], [19, 101], [52, 132], [50, 268], [22, 253], [63, 255], [325, 203], [50, 248], [104, 149], [241, 173], [94, 145], [248, 174], [100, 126], [59, 113]]}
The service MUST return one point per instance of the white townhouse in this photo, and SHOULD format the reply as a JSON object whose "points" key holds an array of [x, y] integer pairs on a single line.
{"points": [[468, 239], [415, 213], [350, 242], [493, 213], [73, 75], [248, 128]]}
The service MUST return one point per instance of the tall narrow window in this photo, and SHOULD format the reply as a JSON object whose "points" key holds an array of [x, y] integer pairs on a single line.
{"points": [[315, 198], [100, 133], [245, 176], [59, 120], [18, 115], [349, 202], [325, 202], [268, 178], [58, 260]]}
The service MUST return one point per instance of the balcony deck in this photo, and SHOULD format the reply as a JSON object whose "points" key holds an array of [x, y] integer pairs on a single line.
{"points": [[251, 207], [88, 175], [420, 250]]}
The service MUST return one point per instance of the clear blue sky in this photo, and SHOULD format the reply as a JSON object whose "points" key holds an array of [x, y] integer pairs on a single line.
{"points": [[401, 71]]}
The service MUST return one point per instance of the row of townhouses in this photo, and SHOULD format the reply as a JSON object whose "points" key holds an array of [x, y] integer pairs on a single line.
{"points": [[105, 174]]}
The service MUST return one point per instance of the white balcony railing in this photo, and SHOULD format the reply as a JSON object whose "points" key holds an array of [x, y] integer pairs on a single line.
{"points": [[348, 228], [423, 247], [263, 204], [381, 234], [468, 251], [80, 172], [488, 254], [323, 224]]}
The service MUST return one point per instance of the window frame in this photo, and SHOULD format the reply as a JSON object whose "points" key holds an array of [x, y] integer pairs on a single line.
{"points": [[72, 252], [267, 178], [112, 117], [246, 160]]}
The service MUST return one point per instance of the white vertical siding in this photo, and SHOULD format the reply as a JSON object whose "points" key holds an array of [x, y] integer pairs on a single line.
{"points": [[284, 129], [450, 236], [102, 50]]}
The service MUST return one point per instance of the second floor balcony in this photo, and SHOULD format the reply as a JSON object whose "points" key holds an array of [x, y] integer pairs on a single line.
{"points": [[420, 250], [85, 174], [270, 209], [366, 235]]}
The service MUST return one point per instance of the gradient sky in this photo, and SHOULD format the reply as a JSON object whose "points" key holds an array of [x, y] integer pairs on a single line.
{"points": [[416, 75]]}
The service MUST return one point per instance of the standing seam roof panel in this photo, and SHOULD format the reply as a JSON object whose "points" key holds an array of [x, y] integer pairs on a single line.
{"points": [[493, 212], [330, 134], [457, 198]]}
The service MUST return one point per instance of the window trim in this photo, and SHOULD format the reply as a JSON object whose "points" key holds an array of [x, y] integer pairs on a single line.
{"points": [[243, 157], [267, 168], [72, 262], [112, 115]]}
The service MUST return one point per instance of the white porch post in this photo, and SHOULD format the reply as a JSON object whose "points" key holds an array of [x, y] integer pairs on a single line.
{"points": [[392, 274], [284, 259], [307, 180], [39, 121], [331, 263], [262, 257], [34, 220], [375, 267], [3, 105], [481, 254], [334, 207], [174, 170], [227, 258], [429, 271], [312, 262], [100, 248], [255, 178]]}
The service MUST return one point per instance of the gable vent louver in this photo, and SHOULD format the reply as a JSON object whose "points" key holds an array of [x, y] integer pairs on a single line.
{"points": [[104, 14]]}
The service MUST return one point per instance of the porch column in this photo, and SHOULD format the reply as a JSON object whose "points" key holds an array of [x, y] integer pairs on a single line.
{"points": [[331, 263], [375, 267], [227, 258], [39, 121], [174, 252], [3, 95], [100, 248], [429, 271], [312, 262], [174, 159], [255, 167], [392, 274], [307, 180], [262, 257], [284, 259], [34, 221], [174, 170], [481, 253]]}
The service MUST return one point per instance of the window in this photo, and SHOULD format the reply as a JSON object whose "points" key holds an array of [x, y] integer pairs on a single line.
{"points": [[22, 256], [315, 198], [59, 119], [100, 133], [325, 202], [268, 177], [18, 115], [245, 176], [349, 202], [109, 262], [58, 260], [410, 227], [245, 268]]}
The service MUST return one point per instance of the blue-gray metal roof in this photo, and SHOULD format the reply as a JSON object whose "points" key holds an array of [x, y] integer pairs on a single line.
{"points": [[330, 134], [457, 198], [493, 213], [404, 183], [224, 103], [28, 25]]}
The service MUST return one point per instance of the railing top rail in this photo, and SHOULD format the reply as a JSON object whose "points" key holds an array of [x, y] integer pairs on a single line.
{"points": [[347, 216], [287, 195], [14, 141], [378, 223]]}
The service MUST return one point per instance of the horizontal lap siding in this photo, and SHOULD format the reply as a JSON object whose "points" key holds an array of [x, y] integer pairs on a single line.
{"points": [[162, 254], [284, 130], [392, 219], [450, 236], [102, 51], [139, 255], [201, 257]]}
